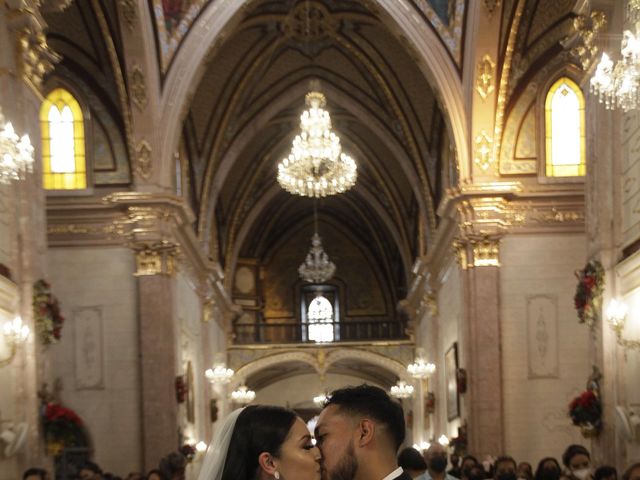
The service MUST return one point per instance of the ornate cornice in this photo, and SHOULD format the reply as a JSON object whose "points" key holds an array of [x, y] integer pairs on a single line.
{"points": [[157, 227]]}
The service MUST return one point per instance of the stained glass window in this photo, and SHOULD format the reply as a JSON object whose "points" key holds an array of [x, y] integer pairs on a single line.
{"points": [[63, 142], [565, 130]]}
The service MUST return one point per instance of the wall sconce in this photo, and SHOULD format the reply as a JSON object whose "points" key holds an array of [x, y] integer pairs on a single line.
{"points": [[320, 399], [243, 395], [201, 447], [15, 334], [422, 446], [219, 374], [443, 440], [616, 314], [420, 368], [16, 154], [402, 390]]}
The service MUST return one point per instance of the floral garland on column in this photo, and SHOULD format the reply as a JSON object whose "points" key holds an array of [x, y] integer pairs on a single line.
{"points": [[588, 297], [46, 313], [585, 410]]}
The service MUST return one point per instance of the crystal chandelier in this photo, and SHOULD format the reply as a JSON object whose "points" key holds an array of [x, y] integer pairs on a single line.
{"points": [[243, 395], [316, 166], [219, 374], [316, 268], [16, 154], [421, 369], [402, 390], [618, 86], [320, 399]]}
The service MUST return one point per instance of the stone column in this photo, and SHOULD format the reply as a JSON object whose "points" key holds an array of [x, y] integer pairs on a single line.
{"points": [[481, 276], [156, 306]]}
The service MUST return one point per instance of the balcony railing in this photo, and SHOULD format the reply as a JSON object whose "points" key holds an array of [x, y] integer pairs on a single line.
{"points": [[295, 332]]}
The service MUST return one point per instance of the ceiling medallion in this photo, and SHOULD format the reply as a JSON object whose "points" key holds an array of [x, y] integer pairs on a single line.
{"points": [[316, 166]]}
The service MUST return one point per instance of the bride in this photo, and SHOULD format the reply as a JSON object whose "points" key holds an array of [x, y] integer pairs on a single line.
{"points": [[262, 442]]}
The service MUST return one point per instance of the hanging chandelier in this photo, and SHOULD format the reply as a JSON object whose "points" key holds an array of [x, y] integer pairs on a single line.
{"points": [[220, 374], [316, 166], [243, 395], [618, 86], [16, 154], [402, 390], [316, 268]]}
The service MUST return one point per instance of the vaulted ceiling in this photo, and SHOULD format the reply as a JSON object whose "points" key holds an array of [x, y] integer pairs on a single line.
{"points": [[245, 113]]}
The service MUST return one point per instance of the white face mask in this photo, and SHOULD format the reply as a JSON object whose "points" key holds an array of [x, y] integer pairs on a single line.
{"points": [[582, 474]]}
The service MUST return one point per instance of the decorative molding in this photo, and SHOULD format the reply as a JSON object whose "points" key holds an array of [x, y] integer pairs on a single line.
{"points": [[484, 153], [486, 251], [138, 87], [542, 336], [88, 348], [128, 9], [491, 6], [155, 259], [143, 159], [582, 42], [34, 57], [55, 6], [485, 74]]}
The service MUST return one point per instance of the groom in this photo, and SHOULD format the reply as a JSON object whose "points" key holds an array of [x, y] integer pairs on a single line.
{"points": [[359, 432]]}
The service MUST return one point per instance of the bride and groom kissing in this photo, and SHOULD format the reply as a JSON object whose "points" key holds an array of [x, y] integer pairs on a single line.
{"points": [[358, 434]]}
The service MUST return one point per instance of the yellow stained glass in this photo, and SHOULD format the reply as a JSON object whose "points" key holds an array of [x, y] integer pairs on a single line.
{"points": [[63, 152], [565, 130]]}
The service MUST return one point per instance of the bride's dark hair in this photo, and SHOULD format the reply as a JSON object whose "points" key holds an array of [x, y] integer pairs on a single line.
{"points": [[259, 428]]}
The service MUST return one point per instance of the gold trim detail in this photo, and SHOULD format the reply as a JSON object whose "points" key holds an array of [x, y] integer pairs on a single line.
{"points": [[484, 152], [143, 159], [128, 8], [155, 259], [491, 6], [582, 42], [486, 252], [484, 82], [138, 87]]}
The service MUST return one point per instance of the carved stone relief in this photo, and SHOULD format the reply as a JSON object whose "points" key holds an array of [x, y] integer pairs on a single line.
{"points": [[485, 77], [630, 176], [143, 159], [88, 348], [138, 87], [542, 336]]}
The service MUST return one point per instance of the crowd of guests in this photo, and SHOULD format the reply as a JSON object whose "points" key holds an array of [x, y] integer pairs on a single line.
{"points": [[432, 464], [171, 467]]}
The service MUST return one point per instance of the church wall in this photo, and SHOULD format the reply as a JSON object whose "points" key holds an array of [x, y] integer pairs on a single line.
{"points": [[544, 348], [97, 357], [449, 328]]}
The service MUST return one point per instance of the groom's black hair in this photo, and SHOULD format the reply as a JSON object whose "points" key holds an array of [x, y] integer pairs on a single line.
{"points": [[369, 401], [258, 428]]}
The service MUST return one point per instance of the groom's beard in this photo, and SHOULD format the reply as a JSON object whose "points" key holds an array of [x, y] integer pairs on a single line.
{"points": [[347, 466]]}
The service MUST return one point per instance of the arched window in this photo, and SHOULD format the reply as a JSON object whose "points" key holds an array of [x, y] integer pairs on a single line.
{"points": [[320, 318], [565, 130], [63, 142]]}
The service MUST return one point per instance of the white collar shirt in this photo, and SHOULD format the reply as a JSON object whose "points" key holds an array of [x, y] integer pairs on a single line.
{"points": [[395, 474]]}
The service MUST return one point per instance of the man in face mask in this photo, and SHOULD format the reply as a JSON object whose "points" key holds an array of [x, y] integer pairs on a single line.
{"points": [[436, 458], [505, 468]]}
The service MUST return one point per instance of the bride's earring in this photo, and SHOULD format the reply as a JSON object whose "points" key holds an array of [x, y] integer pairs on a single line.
{"points": [[276, 475]]}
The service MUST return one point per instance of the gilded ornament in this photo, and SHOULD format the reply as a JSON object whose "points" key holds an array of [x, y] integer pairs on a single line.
{"points": [[155, 259], [491, 6], [484, 156], [143, 159], [138, 87], [484, 81], [128, 8], [581, 43], [486, 252]]}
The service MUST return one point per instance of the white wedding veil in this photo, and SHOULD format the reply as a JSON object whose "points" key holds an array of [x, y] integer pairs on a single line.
{"points": [[214, 460]]}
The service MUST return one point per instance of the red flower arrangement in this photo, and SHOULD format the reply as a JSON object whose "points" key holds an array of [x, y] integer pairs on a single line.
{"points": [[189, 451], [181, 389], [589, 292], [46, 311], [586, 412], [62, 428]]}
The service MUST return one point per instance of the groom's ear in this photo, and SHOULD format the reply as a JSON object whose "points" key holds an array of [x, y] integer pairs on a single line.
{"points": [[367, 430], [265, 460]]}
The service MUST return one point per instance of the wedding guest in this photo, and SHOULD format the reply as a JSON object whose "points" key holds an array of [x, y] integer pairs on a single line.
{"points": [[605, 472], [632, 473], [548, 469], [524, 471], [577, 460], [155, 475], [436, 458], [505, 468], [173, 466], [35, 474], [90, 471], [455, 470], [412, 462]]}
